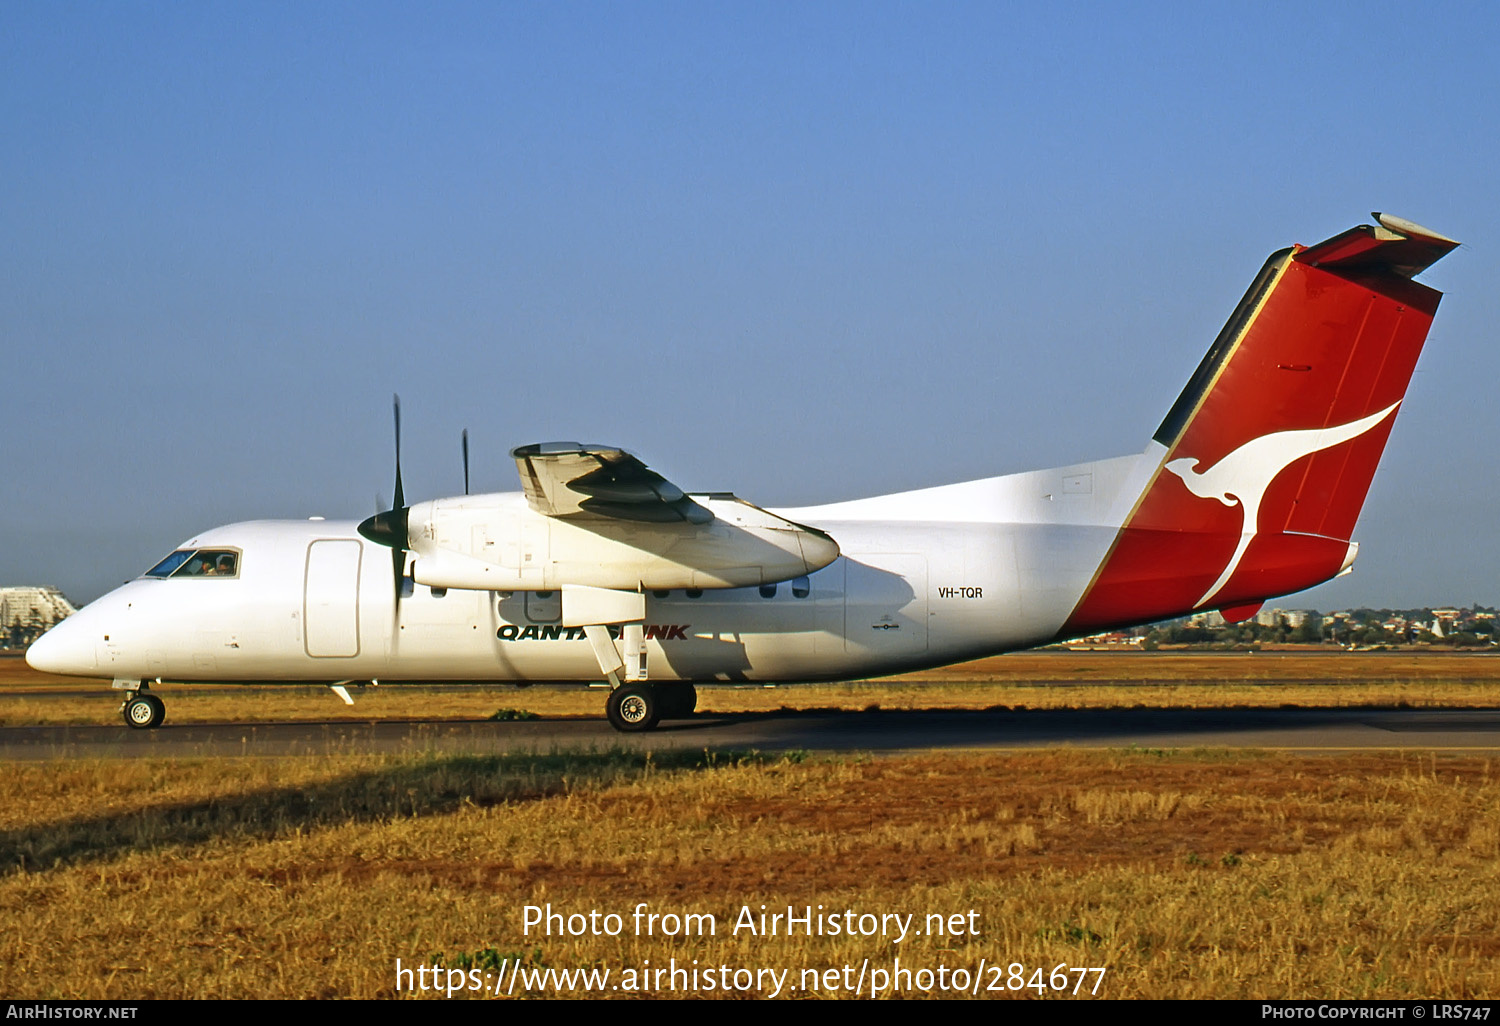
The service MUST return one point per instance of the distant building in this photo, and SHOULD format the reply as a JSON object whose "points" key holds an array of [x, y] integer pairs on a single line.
{"points": [[1292, 618], [26, 613], [1107, 640]]}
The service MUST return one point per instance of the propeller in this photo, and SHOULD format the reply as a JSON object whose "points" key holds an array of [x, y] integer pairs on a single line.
{"points": [[390, 527]]}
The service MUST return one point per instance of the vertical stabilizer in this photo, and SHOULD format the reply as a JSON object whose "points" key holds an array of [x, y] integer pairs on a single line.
{"points": [[1271, 448]]}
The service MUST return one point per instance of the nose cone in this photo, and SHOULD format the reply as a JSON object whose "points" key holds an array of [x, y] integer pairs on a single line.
{"points": [[66, 648]]}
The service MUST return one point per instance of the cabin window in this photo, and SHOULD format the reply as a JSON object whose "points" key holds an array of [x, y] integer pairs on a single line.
{"points": [[661, 592], [694, 593], [768, 591], [801, 587]]}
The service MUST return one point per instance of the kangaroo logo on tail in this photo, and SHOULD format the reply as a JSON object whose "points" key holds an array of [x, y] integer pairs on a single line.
{"points": [[1244, 475], [1324, 335]]}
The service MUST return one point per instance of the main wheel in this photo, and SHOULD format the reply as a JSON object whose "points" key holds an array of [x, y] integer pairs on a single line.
{"points": [[144, 712], [677, 700], [633, 707]]}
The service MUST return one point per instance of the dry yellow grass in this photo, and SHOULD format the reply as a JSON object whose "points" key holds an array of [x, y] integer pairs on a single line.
{"points": [[1184, 874]]}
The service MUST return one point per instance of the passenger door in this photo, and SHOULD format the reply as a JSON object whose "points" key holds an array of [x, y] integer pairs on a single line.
{"points": [[331, 598]]}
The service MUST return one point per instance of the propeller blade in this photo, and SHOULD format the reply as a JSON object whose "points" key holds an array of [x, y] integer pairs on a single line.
{"points": [[400, 500], [466, 460], [389, 527]]}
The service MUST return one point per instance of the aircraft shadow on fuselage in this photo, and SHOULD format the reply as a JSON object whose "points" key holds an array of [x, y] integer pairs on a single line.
{"points": [[721, 654]]}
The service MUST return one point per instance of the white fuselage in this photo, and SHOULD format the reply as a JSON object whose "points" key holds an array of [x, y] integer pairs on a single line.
{"points": [[1249, 489], [925, 578]]}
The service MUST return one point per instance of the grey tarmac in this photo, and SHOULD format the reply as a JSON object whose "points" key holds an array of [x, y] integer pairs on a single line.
{"points": [[1303, 729]]}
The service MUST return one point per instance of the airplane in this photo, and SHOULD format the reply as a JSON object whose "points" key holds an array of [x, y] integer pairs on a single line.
{"points": [[601, 570]]}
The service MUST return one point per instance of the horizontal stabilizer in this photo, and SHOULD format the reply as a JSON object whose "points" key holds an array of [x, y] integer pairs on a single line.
{"points": [[1397, 246]]}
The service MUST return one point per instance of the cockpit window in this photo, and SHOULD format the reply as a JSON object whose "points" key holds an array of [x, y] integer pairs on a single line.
{"points": [[166, 566], [198, 563]]}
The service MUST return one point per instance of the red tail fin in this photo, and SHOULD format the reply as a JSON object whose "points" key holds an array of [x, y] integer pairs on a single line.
{"points": [[1269, 451]]}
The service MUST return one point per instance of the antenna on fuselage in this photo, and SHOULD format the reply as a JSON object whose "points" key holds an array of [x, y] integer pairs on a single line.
{"points": [[466, 460]]}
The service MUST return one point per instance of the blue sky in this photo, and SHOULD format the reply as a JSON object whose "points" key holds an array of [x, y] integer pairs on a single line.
{"points": [[804, 252]]}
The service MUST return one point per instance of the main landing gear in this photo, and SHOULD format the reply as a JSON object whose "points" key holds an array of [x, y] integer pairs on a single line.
{"points": [[638, 706], [143, 710], [635, 705]]}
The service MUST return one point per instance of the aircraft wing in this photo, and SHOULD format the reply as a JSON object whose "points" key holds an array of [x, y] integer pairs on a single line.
{"points": [[582, 482]]}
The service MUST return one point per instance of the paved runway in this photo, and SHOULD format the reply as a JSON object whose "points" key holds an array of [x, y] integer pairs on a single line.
{"points": [[887, 731]]}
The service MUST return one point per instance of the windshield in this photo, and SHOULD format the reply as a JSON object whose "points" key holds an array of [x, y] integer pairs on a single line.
{"points": [[198, 563], [166, 566]]}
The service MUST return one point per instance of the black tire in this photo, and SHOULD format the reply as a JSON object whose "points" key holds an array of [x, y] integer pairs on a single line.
{"points": [[633, 707], [144, 712], [678, 701]]}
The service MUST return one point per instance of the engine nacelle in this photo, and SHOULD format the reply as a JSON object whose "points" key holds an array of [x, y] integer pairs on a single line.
{"points": [[498, 543]]}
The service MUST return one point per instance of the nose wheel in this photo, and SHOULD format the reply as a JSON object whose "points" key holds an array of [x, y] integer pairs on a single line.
{"points": [[143, 711]]}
